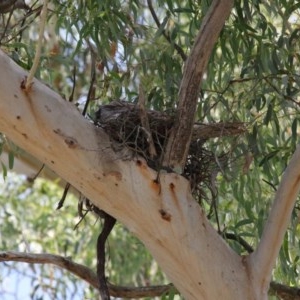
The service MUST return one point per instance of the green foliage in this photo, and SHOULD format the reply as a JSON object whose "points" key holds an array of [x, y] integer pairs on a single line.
{"points": [[10, 149], [252, 77], [31, 223]]}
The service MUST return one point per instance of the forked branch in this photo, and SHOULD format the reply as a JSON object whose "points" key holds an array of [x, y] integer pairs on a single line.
{"points": [[195, 66]]}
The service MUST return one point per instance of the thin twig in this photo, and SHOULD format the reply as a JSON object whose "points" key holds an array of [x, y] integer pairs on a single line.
{"points": [[71, 98], [86, 274], [63, 198], [145, 122], [167, 37], [38, 47], [6, 26], [32, 179], [287, 97], [240, 240], [109, 223], [91, 88]]}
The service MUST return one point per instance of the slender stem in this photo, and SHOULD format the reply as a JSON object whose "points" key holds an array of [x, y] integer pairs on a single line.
{"points": [[262, 260], [38, 47], [86, 274], [156, 20]]}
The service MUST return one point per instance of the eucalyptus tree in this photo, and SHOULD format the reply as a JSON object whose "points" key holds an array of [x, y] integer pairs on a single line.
{"points": [[178, 119]]}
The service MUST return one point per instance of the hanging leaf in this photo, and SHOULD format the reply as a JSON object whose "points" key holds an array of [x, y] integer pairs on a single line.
{"points": [[11, 158]]}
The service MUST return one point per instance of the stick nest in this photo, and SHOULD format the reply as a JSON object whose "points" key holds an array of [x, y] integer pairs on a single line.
{"points": [[125, 123]]}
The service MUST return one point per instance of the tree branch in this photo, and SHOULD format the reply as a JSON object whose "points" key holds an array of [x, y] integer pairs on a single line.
{"points": [[39, 44], [238, 239], [195, 66], [284, 292], [213, 130], [85, 273], [163, 215], [262, 260], [167, 37], [145, 121]]}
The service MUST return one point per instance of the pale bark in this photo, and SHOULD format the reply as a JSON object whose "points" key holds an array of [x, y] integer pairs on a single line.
{"points": [[164, 216], [262, 260]]}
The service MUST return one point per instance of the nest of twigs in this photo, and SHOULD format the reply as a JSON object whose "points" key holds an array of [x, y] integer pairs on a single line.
{"points": [[125, 123]]}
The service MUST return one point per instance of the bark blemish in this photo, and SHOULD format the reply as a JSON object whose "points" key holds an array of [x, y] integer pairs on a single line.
{"points": [[23, 83], [26, 89], [173, 194], [25, 135], [155, 185], [97, 176], [165, 215], [141, 164], [57, 131], [71, 142], [247, 268], [47, 108], [115, 174], [18, 117]]}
